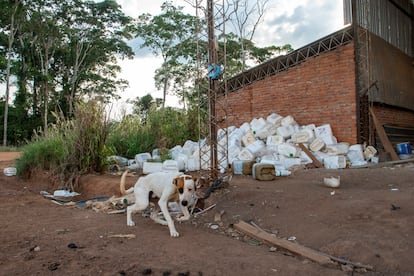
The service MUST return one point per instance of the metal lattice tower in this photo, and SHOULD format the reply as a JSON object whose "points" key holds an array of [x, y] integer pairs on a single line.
{"points": [[213, 134], [360, 21]]}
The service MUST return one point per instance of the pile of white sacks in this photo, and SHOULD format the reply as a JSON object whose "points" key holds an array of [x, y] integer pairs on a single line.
{"points": [[273, 140]]}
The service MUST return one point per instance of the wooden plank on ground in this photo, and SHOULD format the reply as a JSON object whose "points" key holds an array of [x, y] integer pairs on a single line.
{"points": [[383, 137], [292, 247], [315, 161]]}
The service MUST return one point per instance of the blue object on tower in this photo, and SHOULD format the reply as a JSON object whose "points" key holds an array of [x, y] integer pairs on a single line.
{"points": [[214, 71]]}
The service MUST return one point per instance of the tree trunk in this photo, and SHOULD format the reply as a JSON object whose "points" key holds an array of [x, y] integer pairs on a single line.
{"points": [[9, 51]]}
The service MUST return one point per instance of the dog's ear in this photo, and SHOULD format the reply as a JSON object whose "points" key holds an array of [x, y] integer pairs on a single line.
{"points": [[179, 183]]}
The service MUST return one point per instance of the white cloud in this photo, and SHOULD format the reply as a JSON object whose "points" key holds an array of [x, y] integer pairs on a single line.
{"points": [[286, 22]]}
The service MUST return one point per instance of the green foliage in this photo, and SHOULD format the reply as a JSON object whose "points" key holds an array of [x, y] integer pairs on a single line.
{"points": [[69, 147], [129, 137], [43, 154], [62, 52], [171, 36], [164, 129]]}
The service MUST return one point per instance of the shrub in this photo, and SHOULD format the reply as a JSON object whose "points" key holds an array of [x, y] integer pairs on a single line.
{"points": [[69, 147]]}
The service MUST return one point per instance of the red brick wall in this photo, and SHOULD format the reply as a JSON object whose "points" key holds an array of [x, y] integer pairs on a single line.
{"points": [[388, 115], [318, 91]]}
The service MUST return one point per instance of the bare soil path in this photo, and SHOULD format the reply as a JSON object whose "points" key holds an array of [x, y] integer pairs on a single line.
{"points": [[369, 220]]}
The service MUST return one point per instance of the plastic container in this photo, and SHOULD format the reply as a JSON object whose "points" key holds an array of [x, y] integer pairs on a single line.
{"points": [[190, 146], [274, 140], [193, 163], [370, 152], [237, 166], [257, 124], [282, 172], [274, 119], [264, 172], [323, 130], [266, 131], [335, 162], [404, 148], [248, 138], [337, 149], [288, 150], [288, 121], [245, 127], [285, 131], [355, 154], [301, 137], [140, 158], [170, 165], [317, 145], [151, 167], [10, 171], [256, 147], [245, 154]]}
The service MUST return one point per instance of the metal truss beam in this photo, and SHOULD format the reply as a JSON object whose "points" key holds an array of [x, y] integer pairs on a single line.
{"points": [[294, 58]]}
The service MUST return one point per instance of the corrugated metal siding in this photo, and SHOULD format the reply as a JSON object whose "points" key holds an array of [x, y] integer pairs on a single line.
{"points": [[390, 20]]}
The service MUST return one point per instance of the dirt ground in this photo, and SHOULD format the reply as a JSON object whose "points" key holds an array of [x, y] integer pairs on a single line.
{"points": [[368, 220]]}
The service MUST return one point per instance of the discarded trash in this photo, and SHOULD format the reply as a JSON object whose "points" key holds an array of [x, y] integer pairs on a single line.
{"points": [[332, 182], [282, 172], [332, 193], [395, 207], [10, 171], [127, 236], [214, 226], [72, 246], [262, 171], [292, 238], [65, 193]]}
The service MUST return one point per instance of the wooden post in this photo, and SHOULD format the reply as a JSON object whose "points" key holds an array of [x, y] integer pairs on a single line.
{"points": [[383, 136]]}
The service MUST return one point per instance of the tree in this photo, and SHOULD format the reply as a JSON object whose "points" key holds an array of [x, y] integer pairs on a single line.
{"points": [[12, 32], [64, 51], [245, 18], [169, 35], [143, 106]]}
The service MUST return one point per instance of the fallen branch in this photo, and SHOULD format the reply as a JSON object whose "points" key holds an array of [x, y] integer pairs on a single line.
{"points": [[324, 259], [205, 210]]}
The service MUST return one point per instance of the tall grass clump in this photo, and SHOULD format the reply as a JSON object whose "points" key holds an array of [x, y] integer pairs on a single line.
{"points": [[163, 129], [130, 137], [70, 147]]}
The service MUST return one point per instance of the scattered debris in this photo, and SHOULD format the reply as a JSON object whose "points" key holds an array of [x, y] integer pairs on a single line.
{"points": [[53, 266], [332, 182], [72, 246], [126, 236], [218, 216], [214, 226], [64, 193], [319, 257], [205, 210], [394, 207], [10, 171]]}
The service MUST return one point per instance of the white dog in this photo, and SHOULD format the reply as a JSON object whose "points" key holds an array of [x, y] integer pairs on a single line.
{"points": [[166, 186]]}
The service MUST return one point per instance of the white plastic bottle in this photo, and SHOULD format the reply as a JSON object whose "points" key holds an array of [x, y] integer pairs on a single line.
{"points": [[282, 172]]}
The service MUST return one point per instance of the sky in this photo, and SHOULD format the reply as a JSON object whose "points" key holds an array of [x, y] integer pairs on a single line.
{"points": [[298, 23], [295, 22]]}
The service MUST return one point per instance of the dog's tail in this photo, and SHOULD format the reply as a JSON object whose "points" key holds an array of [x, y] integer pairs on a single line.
{"points": [[122, 184]]}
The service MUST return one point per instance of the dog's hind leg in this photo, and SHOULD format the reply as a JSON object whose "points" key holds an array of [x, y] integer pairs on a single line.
{"points": [[154, 216], [141, 203]]}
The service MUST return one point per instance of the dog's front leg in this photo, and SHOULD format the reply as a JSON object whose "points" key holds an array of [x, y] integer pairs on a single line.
{"points": [[186, 213], [164, 209]]}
